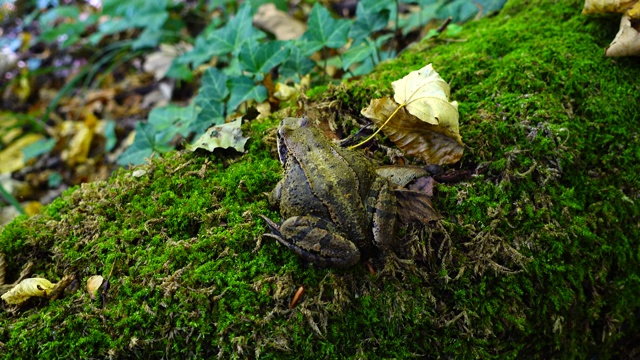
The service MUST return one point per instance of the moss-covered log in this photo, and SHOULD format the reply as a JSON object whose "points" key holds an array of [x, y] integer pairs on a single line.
{"points": [[537, 254]]}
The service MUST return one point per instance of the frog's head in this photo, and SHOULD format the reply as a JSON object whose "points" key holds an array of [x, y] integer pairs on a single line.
{"points": [[285, 130]]}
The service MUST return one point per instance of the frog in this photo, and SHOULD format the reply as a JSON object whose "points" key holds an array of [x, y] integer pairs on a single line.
{"points": [[335, 208]]}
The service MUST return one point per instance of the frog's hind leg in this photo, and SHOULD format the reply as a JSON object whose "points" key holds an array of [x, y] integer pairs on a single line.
{"points": [[318, 241]]}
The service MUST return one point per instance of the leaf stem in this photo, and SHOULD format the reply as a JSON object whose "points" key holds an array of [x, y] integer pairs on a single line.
{"points": [[379, 128]]}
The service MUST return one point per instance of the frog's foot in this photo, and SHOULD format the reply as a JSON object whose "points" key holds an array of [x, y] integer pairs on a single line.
{"points": [[318, 241], [275, 228]]}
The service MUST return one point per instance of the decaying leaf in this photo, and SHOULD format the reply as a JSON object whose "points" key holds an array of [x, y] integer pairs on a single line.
{"points": [[415, 206], [159, 62], [221, 136], [426, 97], [606, 6], [12, 157], [627, 41], [28, 288], [93, 284], [60, 288], [279, 23], [434, 143]]}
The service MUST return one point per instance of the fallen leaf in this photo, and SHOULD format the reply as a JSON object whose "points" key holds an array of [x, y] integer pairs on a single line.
{"points": [[627, 41], [60, 287], [279, 23], [435, 144], [221, 136], [264, 110], [159, 62], [12, 158], [28, 288], [606, 6], [93, 284], [426, 96], [415, 206]]}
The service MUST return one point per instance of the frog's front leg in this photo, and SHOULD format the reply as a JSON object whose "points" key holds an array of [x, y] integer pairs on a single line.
{"points": [[316, 240]]}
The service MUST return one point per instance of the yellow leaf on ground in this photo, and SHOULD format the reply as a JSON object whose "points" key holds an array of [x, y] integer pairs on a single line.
{"points": [[12, 158], [426, 97], [93, 284], [627, 41], [606, 6], [434, 143], [28, 288]]}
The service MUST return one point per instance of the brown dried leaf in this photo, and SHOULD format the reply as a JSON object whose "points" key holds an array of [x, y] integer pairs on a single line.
{"points": [[415, 206], [59, 287], [434, 143], [277, 22], [627, 41]]}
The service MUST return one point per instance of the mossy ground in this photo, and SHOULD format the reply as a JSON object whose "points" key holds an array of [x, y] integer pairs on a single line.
{"points": [[537, 254]]}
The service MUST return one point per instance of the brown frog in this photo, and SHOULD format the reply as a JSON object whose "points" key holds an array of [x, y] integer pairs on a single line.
{"points": [[334, 205]]}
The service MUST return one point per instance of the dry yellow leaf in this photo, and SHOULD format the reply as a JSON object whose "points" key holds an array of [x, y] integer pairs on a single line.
{"points": [[634, 12], [627, 41], [426, 96], [434, 143], [606, 6], [93, 284], [12, 158], [28, 288]]}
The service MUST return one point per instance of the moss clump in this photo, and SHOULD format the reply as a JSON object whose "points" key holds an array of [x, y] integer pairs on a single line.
{"points": [[537, 255]]}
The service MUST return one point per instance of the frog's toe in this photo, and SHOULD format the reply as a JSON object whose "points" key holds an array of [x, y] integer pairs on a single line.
{"points": [[275, 228]]}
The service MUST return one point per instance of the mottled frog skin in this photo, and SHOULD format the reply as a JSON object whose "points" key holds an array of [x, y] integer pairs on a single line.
{"points": [[334, 206]]}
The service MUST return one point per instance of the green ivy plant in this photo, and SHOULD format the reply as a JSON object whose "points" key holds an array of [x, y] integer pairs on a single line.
{"points": [[244, 55]]}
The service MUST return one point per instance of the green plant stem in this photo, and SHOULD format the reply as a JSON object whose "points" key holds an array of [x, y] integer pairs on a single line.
{"points": [[11, 200]]}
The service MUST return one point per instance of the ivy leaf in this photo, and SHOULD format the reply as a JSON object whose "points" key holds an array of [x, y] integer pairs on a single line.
{"points": [[428, 11], [225, 40], [242, 89], [324, 31], [148, 15], [297, 65], [210, 99], [262, 58], [144, 145], [463, 10], [357, 53], [365, 52], [172, 120], [367, 22]]}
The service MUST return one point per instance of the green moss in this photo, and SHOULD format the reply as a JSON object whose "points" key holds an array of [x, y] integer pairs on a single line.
{"points": [[536, 255]]}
